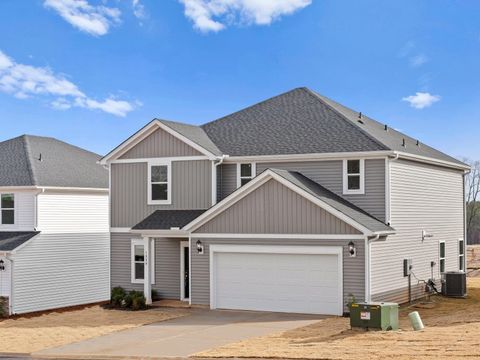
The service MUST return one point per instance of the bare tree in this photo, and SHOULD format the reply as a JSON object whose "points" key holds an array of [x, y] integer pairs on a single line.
{"points": [[472, 192]]}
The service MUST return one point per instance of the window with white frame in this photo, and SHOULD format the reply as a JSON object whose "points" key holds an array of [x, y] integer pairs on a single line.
{"points": [[159, 183], [441, 256], [353, 176], [138, 262], [7, 207], [245, 173], [461, 255]]}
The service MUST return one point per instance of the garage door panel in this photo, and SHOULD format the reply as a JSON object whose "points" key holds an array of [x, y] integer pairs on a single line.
{"points": [[303, 283]]}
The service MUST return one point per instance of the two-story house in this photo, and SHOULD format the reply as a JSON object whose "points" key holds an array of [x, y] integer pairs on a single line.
{"points": [[295, 204], [54, 232]]}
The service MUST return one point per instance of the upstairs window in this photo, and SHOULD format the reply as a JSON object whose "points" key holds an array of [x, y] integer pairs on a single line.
{"points": [[461, 255], [441, 256], [159, 183], [7, 206], [245, 173], [353, 176]]}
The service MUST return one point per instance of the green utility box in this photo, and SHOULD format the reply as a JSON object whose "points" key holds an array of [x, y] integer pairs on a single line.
{"points": [[374, 315]]}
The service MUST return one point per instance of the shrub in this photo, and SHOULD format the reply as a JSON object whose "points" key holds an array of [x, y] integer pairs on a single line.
{"points": [[155, 295], [118, 296], [3, 308], [138, 300]]}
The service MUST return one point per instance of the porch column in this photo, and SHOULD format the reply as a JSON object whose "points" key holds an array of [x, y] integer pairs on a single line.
{"points": [[147, 283]]}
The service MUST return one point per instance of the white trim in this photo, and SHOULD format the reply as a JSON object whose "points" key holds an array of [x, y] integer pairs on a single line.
{"points": [[159, 162], [141, 242], [183, 245], [440, 258], [15, 211], [147, 130], [309, 157], [171, 159], [120, 230], [463, 256], [387, 191], [430, 160], [239, 173], [273, 249], [57, 188], [190, 269], [360, 174], [161, 233], [214, 184], [279, 236]]}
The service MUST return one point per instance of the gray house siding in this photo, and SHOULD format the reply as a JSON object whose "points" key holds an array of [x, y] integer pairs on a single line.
{"points": [[160, 144], [275, 209], [353, 267], [191, 189], [167, 265], [423, 197], [227, 180], [329, 174]]}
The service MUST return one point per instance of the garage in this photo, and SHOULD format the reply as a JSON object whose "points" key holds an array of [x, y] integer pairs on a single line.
{"points": [[296, 279]]}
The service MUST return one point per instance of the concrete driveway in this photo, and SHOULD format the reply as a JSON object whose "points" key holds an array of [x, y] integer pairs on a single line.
{"points": [[182, 337]]}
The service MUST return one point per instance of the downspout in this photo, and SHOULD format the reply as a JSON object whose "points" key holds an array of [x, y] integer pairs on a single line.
{"points": [[35, 225], [368, 267], [388, 210], [216, 163]]}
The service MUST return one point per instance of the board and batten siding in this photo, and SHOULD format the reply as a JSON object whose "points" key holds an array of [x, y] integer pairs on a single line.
{"points": [[24, 210], [328, 173], [191, 190], [423, 197], [59, 270], [275, 209], [353, 267], [167, 265], [160, 144], [227, 180]]}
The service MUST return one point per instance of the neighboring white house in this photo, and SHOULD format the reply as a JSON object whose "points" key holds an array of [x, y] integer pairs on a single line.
{"points": [[54, 225]]}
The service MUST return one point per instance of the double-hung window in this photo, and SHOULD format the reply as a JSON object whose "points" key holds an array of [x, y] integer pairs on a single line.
{"points": [[245, 173], [441, 256], [159, 183], [7, 207], [354, 176], [461, 255], [138, 262]]}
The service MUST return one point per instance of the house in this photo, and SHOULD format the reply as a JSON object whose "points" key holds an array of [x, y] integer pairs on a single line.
{"points": [[295, 204], [54, 232]]}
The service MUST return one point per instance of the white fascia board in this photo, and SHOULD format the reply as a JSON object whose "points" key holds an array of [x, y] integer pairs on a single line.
{"points": [[429, 160], [310, 157], [161, 233], [277, 236], [277, 249], [171, 159], [73, 189]]}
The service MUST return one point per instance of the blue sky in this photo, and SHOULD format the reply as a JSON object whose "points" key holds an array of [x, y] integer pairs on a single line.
{"points": [[93, 72]]}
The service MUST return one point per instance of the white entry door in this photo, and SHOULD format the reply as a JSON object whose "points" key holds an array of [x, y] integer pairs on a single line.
{"points": [[279, 279]]}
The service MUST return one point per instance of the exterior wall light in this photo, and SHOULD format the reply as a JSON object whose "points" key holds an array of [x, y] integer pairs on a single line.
{"points": [[351, 249], [2, 265], [199, 247]]}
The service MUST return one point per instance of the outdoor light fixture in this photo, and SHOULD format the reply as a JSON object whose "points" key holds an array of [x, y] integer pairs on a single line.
{"points": [[351, 249], [2, 265], [425, 235], [199, 247]]}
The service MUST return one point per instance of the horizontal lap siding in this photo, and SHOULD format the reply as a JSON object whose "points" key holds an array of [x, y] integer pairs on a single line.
{"points": [[353, 267], [275, 209], [167, 265], [160, 144], [62, 269], [330, 175], [191, 189], [423, 197]]}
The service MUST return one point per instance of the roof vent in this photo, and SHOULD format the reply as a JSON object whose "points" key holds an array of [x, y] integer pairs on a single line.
{"points": [[386, 127], [40, 157], [418, 143], [360, 117], [403, 143]]}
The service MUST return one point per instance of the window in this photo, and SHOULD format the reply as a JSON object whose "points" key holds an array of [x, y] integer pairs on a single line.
{"points": [[461, 255], [138, 262], [441, 256], [245, 173], [159, 183], [353, 176], [7, 205]]}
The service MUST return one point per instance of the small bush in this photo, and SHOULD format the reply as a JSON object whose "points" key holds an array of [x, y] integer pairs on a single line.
{"points": [[138, 300], [155, 295], [3, 308], [133, 300], [118, 296]]}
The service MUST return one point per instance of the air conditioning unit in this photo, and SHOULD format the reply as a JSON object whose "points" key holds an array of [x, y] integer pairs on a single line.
{"points": [[455, 284]]}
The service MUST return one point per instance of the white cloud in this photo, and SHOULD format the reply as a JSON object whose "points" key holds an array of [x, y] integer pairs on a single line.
{"points": [[139, 9], [421, 100], [94, 20], [211, 15], [24, 81], [418, 60]]}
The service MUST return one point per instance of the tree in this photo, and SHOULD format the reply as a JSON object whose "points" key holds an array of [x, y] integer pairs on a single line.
{"points": [[472, 192]]}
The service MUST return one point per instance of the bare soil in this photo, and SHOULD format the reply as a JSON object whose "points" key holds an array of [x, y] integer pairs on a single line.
{"points": [[452, 331], [28, 334]]}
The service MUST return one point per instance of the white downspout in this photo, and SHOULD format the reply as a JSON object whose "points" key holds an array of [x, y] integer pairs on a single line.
{"points": [[214, 177], [35, 225]]}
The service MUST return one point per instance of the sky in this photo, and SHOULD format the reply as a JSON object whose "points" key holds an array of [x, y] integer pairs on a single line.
{"points": [[91, 73]]}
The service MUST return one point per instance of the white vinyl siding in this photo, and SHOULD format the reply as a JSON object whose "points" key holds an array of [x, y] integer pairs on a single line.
{"points": [[5, 278], [7, 209], [423, 198], [24, 210], [72, 213], [59, 270]]}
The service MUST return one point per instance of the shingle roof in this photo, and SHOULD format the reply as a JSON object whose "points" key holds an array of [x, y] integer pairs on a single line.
{"points": [[43, 161], [337, 202], [10, 240], [166, 219]]}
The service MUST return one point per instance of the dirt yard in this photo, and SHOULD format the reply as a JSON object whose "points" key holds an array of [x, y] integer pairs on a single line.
{"points": [[452, 332], [29, 334]]}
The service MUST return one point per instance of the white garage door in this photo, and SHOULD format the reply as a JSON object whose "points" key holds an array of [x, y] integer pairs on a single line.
{"points": [[281, 279]]}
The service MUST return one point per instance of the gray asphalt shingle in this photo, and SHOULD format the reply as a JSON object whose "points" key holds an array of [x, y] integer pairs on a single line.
{"points": [[166, 219], [10, 240]]}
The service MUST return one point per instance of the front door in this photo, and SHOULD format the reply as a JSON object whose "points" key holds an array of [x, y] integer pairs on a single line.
{"points": [[185, 270]]}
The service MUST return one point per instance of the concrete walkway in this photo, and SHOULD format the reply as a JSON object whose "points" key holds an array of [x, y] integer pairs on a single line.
{"points": [[181, 337]]}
